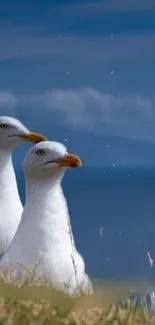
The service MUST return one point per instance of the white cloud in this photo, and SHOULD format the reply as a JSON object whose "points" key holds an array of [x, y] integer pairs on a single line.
{"points": [[110, 115], [91, 110], [7, 100]]}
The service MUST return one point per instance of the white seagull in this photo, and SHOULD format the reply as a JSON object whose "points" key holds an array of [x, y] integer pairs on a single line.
{"points": [[12, 133], [44, 239]]}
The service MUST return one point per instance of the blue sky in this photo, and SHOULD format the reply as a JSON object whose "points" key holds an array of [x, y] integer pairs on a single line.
{"points": [[82, 71]]}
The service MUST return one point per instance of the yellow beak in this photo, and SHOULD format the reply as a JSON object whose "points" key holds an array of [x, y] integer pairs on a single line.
{"points": [[33, 137], [69, 160]]}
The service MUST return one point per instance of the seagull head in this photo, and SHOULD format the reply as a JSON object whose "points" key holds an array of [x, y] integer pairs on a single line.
{"points": [[49, 159], [13, 132]]}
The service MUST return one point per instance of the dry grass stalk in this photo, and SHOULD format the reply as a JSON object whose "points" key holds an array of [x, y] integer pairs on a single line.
{"points": [[72, 253], [8, 278], [151, 261]]}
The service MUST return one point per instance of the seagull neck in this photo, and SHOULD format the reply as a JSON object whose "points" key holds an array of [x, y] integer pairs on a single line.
{"points": [[42, 189], [7, 174], [45, 201], [6, 156]]}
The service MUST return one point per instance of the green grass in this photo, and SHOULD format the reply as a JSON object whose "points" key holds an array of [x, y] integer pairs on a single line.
{"points": [[42, 305], [39, 312], [27, 302]]}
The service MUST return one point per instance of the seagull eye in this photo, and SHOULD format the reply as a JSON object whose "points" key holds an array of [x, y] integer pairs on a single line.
{"points": [[3, 126], [40, 152]]}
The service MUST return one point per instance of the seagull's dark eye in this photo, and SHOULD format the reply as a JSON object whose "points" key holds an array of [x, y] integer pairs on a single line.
{"points": [[3, 126], [40, 152]]}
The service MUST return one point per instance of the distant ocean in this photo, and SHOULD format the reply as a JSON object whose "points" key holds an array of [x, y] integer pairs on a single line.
{"points": [[113, 219]]}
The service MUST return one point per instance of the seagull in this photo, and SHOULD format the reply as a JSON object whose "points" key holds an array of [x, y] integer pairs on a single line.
{"points": [[12, 133], [44, 240]]}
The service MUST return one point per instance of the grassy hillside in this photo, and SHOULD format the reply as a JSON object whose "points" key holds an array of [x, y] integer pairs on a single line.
{"points": [[43, 305]]}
